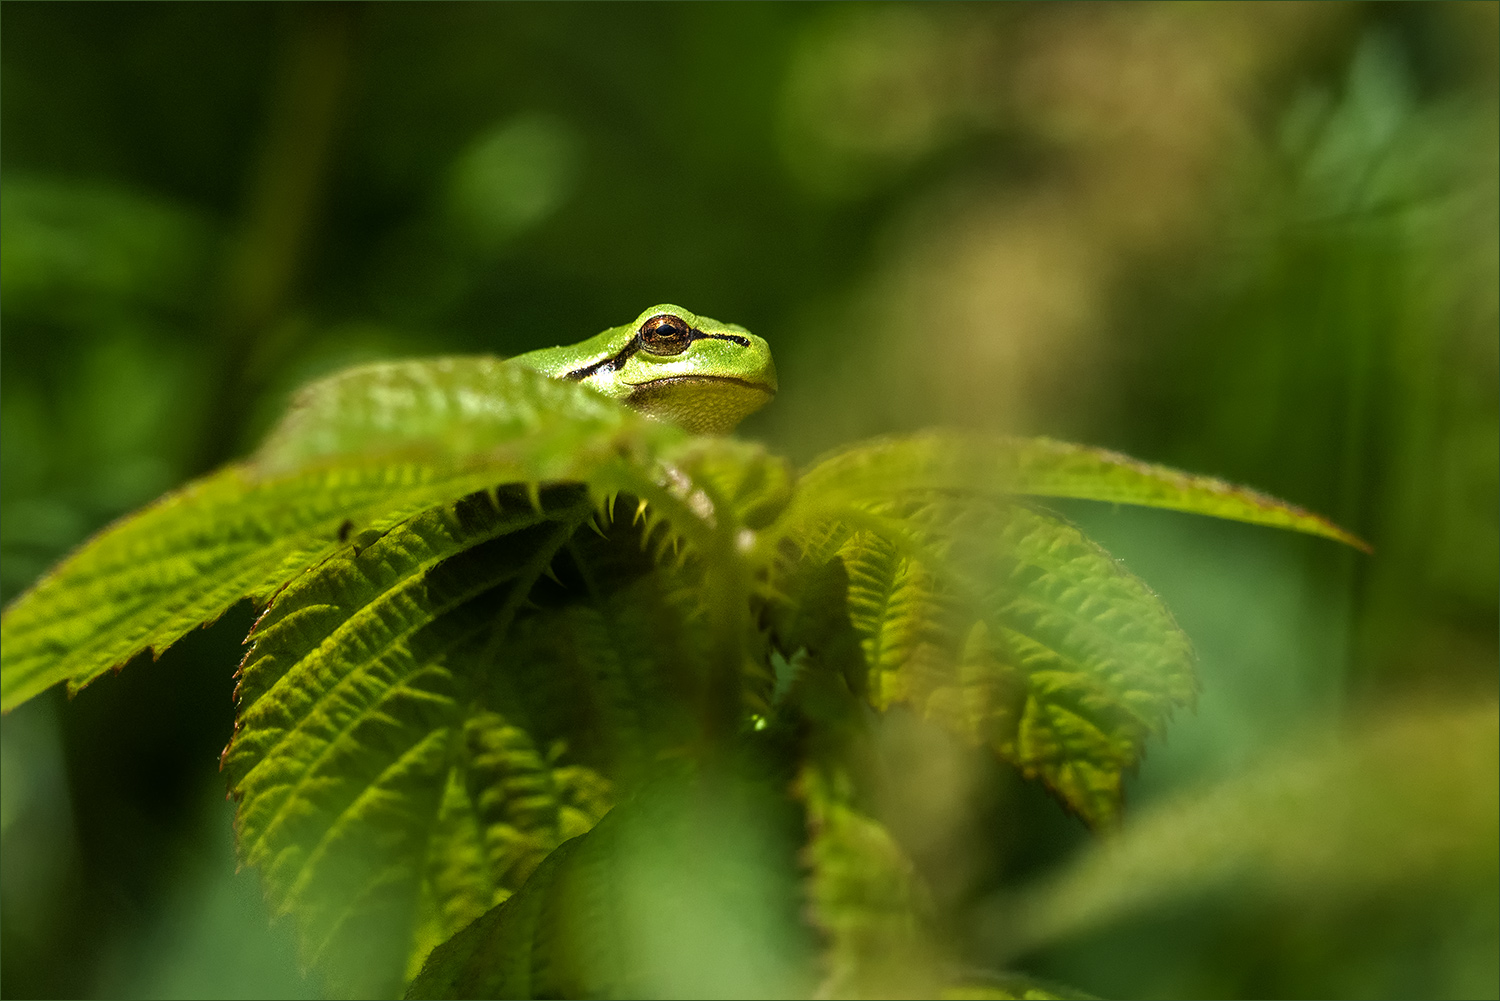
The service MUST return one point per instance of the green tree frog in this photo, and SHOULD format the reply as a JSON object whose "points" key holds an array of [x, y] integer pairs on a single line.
{"points": [[673, 365]]}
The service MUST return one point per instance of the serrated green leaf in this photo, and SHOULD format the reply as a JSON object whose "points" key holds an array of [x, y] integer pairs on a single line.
{"points": [[387, 653], [145, 581], [1038, 467], [359, 453], [1014, 630], [907, 619], [457, 883], [504, 953], [451, 409], [1048, 468], [608, 670], [506, 807], [714, 493], [1104, 662], [490, 590], [389, 650], [354, 714]]}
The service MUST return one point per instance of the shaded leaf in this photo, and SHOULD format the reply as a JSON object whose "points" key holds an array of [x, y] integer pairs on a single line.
{"points": [[808, 615], [713, 493], [354, 713], [606, 662], [1013, 630], [505, 809], [504, 953]]}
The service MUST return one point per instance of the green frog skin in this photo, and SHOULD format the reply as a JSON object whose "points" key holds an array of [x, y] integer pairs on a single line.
{"points": [[674, 365]]}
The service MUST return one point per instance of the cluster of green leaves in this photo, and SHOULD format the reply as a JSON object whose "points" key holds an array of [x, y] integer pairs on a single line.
{"points": [[500, 609]]}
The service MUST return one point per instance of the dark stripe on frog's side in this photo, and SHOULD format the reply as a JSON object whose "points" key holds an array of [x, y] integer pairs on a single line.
{"points": [[611, 364]]}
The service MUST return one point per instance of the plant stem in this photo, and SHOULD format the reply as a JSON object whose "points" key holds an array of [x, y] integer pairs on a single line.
{"points": [[282, 204]]}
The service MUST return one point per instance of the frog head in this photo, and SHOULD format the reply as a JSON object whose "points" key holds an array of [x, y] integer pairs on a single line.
{"points": [[674, 365]]}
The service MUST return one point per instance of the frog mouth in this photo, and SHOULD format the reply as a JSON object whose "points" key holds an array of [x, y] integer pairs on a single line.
{"points": [[672, 382]]}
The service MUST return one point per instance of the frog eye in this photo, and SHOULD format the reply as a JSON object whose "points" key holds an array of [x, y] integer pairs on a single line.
{"points": [[665, 335]]}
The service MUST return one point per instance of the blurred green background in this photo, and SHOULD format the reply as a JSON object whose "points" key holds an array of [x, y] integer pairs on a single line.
{"points": [[1257, 241]]}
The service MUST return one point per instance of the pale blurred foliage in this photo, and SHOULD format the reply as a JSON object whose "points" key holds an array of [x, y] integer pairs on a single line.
{"points": [[927, 781], [1388, 820], [874, 89], [696, 890], [1391, 821], [511, 178], [1403, 803], [990, 303], [37, 850]]}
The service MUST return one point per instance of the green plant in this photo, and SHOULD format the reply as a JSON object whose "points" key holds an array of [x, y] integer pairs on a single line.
{"points": [[559, 700]]}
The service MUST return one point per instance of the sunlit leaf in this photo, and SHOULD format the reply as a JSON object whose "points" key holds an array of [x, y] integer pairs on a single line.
{"points": [[1040, 467], [456, 409], [359, 453], [142, 583]]}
